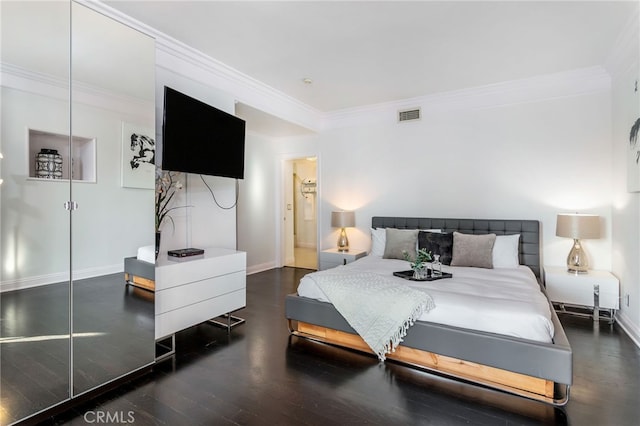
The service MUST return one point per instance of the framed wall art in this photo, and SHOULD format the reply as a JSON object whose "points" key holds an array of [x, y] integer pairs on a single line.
{"points": [[138, 157]]}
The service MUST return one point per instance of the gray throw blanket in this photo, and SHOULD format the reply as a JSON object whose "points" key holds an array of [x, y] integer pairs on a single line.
{"points": [[380, 309]]}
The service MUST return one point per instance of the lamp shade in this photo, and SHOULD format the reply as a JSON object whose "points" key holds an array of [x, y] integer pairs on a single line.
{"points": [[343, 219], [578, 226]]}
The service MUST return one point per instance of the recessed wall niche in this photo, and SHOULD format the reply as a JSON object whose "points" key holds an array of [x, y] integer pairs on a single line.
{"points": [[83, 155]]}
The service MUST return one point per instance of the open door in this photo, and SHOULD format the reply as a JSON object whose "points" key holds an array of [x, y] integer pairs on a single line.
{"points": [[301, 213]]}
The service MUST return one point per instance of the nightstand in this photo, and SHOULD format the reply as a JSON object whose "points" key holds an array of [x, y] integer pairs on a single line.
{"points": [[331, 258], [597, 291]]}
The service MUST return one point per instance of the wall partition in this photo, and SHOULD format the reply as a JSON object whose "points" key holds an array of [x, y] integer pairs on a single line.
{"points": [[76, 198]]}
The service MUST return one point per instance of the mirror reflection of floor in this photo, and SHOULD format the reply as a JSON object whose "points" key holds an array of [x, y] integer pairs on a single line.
{"points": [[113, 334]]}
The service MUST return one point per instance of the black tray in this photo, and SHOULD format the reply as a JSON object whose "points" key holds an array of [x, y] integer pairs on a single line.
{"points": [[408, 275]]}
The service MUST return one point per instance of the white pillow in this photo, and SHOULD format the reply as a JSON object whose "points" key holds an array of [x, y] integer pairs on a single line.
{"points": [[378, 241], [505, 251]]}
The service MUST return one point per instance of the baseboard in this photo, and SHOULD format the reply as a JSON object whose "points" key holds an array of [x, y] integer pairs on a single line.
{"points": [[254, 269], [632, 330], [39, 280]]}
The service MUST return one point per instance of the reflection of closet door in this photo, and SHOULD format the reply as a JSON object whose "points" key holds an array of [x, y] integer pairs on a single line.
{"points": [[113, 126], [34, 231]]}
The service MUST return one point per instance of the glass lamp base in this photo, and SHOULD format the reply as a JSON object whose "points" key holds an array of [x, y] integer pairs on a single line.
{"points": [[577, 262], [343, 241]]}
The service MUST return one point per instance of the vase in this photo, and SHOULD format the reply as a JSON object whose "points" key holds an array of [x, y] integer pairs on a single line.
{"points": [[420, 273], [436, 266], [48, 164], [158, 235]]}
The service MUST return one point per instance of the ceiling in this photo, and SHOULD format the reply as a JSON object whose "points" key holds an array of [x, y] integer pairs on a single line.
{"points": [[365, 52]]}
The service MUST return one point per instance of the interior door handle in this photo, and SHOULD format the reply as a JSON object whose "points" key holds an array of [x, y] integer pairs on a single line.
{"points": [[70, 205]]}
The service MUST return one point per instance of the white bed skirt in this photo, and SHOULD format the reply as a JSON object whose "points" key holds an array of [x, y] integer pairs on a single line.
{"points": [[502, 301]]}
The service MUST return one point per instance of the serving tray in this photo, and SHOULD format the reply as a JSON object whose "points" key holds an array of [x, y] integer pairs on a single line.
{"points": [[408, 275]]}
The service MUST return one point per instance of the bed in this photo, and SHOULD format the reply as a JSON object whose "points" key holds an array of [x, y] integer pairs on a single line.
{"points": [[140, 271], [528, 365]]}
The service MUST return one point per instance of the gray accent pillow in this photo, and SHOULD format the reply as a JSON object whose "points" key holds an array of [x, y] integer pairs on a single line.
{"points": [[473, 250], [437, 243], [399, 240]]}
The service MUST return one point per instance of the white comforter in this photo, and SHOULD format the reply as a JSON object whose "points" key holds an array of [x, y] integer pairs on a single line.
{"points": [[502, 301]]}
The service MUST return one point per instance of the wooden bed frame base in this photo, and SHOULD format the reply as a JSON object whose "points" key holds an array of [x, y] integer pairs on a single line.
{"points": [[141, 282], [507, 381]]}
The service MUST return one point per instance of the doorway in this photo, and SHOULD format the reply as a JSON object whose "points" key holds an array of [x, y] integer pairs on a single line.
{"points": [[301, 213]]}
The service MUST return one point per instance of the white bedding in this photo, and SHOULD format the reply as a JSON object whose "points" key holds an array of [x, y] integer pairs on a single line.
{"points": [[503, 301], [147, 254]]}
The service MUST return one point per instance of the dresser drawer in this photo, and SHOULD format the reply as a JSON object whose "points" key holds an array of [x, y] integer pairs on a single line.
{"points": [[190, 293]]}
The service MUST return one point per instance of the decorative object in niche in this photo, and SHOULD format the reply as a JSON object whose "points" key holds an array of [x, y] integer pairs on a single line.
{"points": [[138, 157], [48, 164], [80, 155]]}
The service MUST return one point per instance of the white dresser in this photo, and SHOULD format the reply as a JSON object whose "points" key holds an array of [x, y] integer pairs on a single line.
{"points": [[195, 289], [597, 290]]}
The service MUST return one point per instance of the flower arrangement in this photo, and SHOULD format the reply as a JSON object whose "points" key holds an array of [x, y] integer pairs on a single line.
{"points": [[167, 184], [418, 264]]}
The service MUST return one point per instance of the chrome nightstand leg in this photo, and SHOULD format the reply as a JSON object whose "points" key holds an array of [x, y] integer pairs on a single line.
{"points": [[596, 302]]}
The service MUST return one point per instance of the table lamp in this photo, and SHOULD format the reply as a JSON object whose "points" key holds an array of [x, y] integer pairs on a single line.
{"points": [[577, 226], [343, 219]]}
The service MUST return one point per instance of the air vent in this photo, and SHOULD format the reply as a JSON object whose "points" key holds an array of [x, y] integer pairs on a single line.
{"points": [[409, 115]]}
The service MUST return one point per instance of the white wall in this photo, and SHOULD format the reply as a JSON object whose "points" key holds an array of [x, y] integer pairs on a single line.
{"points": [[257, 203], [204, 224], [35, 226], [625, 70], [521, 161], [261, 206], [482, 158]]}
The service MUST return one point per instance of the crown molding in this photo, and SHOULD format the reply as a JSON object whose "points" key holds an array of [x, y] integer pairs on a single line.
{"points": [[27, 80], [58, 88], [178, 57], [534, 89]]}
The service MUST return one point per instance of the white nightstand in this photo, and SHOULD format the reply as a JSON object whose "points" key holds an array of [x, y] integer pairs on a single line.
{"points": [[331, 258], [597, 290]]}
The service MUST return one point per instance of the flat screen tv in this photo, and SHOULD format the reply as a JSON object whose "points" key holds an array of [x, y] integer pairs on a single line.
{"points": [[198, 138]]}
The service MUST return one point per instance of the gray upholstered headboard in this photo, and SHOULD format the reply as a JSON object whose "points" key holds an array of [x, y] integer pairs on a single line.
{"points": [[529, 230]]}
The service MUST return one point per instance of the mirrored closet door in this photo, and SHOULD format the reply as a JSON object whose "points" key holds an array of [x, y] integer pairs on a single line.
{"points": [[34, 233], [113, 127], [76, 87]]}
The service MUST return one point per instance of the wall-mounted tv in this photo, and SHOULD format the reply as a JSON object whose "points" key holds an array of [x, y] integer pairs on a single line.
{"points": [[198, 138]]}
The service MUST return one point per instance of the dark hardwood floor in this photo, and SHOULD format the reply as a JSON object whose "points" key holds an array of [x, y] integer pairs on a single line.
{"points": [[113, 334], [260, 376]]}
